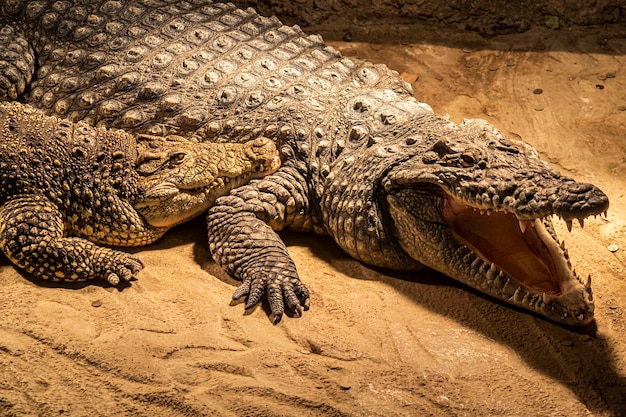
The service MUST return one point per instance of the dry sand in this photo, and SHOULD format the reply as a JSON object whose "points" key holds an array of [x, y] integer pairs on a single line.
{"points": [[375, 343]]}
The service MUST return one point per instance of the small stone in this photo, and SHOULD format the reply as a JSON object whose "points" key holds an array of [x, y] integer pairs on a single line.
{"points": [[538, 108], [96, 303], [347, 37], [551, 22], [610, 75], [613, 248], [537, 91], [584, 338], [601, 77], [315, 348], [599, 86], [567, 342], [621, 108]]}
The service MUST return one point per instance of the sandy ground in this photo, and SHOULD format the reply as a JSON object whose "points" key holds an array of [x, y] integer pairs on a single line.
{"points": [[375, 343]]}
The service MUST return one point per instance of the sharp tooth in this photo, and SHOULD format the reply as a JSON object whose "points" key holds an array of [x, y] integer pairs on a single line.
{"points": [[525, 299], [538, 303], [516, 295], [562, 244], [497, 282], [569, 225], [605, 213], [581, 222], [545, 298], [475, 263], [588, 283], [522, 225], [505, 288]]}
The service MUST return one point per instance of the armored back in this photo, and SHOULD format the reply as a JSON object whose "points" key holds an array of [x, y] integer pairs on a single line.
{"points": [[200, 68]]}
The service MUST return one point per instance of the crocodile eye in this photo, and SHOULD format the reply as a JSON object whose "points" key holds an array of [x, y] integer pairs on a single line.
{"points": [[468, 160], [177, 158]]}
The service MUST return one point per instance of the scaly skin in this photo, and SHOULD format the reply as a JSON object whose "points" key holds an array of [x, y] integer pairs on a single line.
{"points": [[66, 186], [363, 161]]}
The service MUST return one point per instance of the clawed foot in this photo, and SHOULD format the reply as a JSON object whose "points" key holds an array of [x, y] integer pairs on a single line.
{"points": [[280, 291], [122, 266]]}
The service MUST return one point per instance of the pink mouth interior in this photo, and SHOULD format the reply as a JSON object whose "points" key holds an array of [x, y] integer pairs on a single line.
{"points": [[498, 238]]}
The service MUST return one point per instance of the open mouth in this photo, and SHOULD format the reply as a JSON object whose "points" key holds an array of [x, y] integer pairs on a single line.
{"points": [[502, 245], [525, 250]]}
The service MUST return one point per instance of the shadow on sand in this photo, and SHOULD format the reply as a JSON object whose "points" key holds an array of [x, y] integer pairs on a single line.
{"points": [[579, 358]]}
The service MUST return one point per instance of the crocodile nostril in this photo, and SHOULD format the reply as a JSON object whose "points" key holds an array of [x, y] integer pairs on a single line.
{"points": [[442, 148], [430, 157]]}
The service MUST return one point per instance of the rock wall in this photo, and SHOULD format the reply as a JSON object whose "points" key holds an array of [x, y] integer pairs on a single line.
{"points": [[487, 17]]}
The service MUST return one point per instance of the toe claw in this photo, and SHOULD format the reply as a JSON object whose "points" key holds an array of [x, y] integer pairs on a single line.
{"points": [[126, 274], [297, 310], [276, 318], [136, 265]]}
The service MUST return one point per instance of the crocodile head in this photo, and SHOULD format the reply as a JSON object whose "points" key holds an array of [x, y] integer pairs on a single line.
{"points": [[471, 204], [180, 179]]}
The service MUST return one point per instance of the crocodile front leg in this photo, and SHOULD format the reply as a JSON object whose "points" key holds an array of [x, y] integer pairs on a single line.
{"points": [[17, 63], [31, 236], [242, 239]]}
